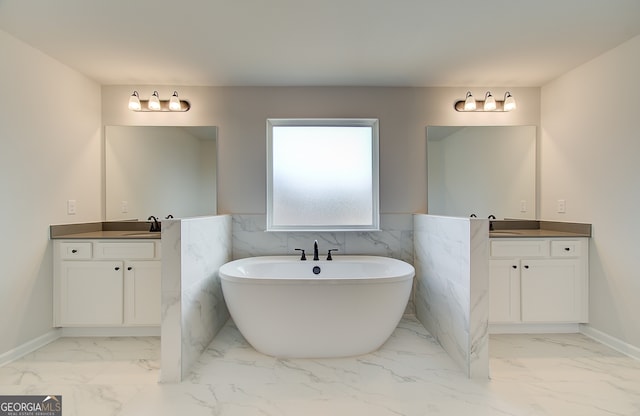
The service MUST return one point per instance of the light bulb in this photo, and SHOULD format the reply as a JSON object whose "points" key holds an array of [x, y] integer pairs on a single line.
{"points": [[469, 102], [489, 102], [509, 102], [134, 102], [154, 102], [174, 102]]}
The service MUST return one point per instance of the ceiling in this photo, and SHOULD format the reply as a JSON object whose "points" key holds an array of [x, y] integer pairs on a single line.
{"points": [[514, 43]]}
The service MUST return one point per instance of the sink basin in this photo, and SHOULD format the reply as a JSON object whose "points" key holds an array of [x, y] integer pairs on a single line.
{"points": [[504, 233], [140, 234]]}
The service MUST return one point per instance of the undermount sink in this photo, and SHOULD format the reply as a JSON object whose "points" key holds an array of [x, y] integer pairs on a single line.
{"points": [[504, 233], [140, 234]]}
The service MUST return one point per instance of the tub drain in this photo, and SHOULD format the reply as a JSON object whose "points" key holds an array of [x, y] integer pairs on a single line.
{"points": [[316, 270]]}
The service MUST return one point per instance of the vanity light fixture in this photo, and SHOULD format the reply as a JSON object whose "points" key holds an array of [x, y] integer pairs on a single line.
{"points": [[155, 104], [174, 102], [490, 104], [509, 102], [469, 102], [134, 102]]}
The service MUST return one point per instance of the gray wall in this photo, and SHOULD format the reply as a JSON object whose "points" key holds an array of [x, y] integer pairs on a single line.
{"points": [[51, 152], [241, 112], [590, 153]]}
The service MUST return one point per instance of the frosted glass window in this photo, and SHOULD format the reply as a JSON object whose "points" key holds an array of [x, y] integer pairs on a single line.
{"points": [[322, 175]]}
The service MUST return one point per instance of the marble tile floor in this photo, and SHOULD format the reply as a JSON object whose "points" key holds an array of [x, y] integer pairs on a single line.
{"points": [[560, 374]]}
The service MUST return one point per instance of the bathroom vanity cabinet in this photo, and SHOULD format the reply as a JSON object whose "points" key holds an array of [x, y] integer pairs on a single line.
{"points": [[106, 283], [538, 280]]}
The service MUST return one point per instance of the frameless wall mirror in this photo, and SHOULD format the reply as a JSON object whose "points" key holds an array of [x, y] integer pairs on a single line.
{"points": [[322, 175], [482, 170], [153, 170]]}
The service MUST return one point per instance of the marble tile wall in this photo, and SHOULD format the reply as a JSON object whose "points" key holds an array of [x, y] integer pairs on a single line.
{"points": [[193, 307], [452, 287], [395, 239], [450, 256]]}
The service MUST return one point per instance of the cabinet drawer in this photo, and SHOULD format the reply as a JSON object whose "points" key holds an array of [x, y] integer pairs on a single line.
{"points": [[566, 248], [79, 251], [519, 248], [137, 250]]}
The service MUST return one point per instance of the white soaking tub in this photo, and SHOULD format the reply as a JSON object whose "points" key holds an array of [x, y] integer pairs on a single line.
{"points": [[286, 307]]}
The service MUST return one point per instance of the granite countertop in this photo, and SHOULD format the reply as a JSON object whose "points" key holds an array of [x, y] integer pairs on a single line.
{"points": [[538, 229], [128, 230]]}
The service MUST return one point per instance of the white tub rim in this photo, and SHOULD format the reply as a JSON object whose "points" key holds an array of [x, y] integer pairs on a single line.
{"points": [[230, 272]]}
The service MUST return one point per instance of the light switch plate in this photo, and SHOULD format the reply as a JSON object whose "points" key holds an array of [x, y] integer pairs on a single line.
{"points": [[523, 206], [562, 206], [71, 207]]}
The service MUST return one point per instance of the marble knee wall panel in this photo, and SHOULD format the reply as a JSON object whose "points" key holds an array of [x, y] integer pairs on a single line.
{"points": [[451, 295], [193, 305]]}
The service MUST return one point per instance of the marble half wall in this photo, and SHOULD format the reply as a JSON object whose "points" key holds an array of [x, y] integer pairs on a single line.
{"points": [[452, 287], [395, 239], [193, 307]]}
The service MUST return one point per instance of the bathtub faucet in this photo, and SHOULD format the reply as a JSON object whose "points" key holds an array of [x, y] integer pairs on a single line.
{"points": [[315, 251]]}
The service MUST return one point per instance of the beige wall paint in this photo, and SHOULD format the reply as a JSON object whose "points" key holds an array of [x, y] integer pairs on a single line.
{"points": [[590, 151], [51, 152], [241, 112]]}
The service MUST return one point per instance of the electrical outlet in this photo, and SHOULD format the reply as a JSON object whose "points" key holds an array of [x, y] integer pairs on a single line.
{"points": [[124, 207], [523, 206], [71, 207], [562, 206]]}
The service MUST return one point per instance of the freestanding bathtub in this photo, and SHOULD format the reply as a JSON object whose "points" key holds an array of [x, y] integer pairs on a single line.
{"points": [[286, 307]]}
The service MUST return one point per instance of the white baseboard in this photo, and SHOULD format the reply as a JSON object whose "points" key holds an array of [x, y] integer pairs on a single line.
{"points": [[142, 331], [30, 346], [534, 328], [611, 342]]}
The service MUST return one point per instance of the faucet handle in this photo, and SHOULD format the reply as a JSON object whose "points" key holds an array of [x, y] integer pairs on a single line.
{"points": [[304, 256], [329, 253]]}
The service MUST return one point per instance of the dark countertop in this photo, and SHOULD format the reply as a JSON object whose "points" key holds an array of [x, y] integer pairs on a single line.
{"points": [[128, 230], [538, 229]]}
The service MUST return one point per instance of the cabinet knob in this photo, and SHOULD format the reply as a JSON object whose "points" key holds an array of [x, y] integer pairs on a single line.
{"points": [[74, 251], [526, 266], [567, 249], [514, 266], [129, 268], [116, 268]]}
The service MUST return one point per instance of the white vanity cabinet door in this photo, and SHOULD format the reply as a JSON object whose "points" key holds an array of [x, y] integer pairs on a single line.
{"points": [[504, 291], [539, 281], [105, 283], [142, 292], [91, 293], [552, 291]]}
